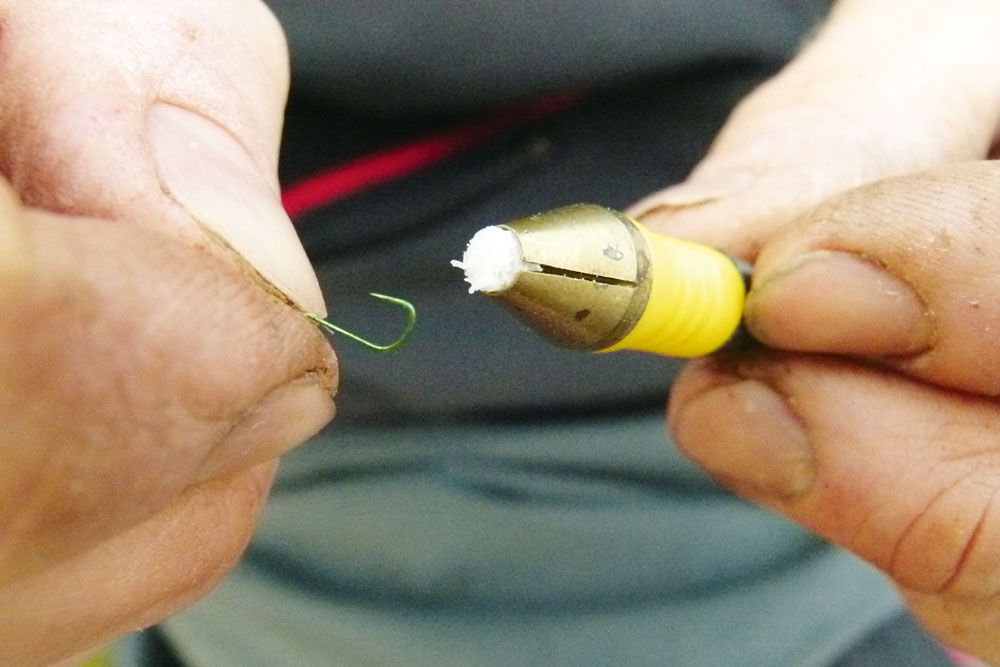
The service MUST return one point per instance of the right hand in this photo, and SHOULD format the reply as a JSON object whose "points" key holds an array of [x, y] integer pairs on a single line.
{"points": [[872, 417]]}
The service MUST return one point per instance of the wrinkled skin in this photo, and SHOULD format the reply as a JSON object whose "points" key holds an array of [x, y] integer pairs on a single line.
{"points": [[155, 359]]}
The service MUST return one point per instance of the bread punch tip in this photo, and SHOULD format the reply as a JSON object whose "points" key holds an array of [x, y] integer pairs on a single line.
{"points": [[590, 278]]}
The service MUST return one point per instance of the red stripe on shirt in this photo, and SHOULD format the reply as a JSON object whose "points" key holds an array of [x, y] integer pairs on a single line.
{"points": [[370, 170]]}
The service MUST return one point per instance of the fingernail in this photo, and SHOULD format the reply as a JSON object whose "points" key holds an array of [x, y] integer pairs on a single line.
{"points": [[837, 302], [284, 419], [744, 434], [693, 192], [207, 171]]}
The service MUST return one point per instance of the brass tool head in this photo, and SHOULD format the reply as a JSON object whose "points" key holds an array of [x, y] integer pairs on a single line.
{"points": [[590, 278], [588, 285]]}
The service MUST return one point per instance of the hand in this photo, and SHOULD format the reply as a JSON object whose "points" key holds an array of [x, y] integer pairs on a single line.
{"points": [[155, 358], [873, 420]]}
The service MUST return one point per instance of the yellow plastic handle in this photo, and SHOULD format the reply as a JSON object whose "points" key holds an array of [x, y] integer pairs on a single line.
{"points": [[695, 302]]}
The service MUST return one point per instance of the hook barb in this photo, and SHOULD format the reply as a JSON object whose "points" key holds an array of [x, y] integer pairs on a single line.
{"points": [[411, 320]]}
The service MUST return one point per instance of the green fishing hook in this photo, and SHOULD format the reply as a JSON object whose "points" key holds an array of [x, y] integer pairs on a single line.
{"points": [[411, 320]]}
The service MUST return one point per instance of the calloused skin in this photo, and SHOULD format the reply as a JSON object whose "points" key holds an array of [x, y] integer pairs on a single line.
{"points": [[155, 360]]}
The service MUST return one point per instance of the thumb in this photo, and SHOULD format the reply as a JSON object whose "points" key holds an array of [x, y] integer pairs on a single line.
{"points": [[863, 101], [167, 115]]}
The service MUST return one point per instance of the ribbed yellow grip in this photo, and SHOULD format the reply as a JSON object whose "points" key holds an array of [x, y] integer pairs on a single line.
{"points": [[695, 301]]}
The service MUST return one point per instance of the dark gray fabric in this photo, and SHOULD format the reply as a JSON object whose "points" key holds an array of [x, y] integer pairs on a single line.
{"points": [[467, 357], [395, 547], [582, 515], [897, 643], [390, 55]]}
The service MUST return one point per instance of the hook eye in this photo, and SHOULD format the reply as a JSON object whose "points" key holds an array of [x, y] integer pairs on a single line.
{"points": [[411, 320]]}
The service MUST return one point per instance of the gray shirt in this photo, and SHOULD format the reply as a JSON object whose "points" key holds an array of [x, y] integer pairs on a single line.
{"points": [[434, 54]]}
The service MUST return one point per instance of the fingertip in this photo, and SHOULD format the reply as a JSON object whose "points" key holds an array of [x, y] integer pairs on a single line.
{"points": [[744, 433]]}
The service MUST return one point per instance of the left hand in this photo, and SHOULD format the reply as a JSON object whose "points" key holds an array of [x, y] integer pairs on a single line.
{"points": [[154, 356]]}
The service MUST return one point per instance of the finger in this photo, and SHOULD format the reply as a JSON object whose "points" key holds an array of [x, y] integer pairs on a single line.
{"points": [[897, 471], [903, 269], [132, 366], [136, 578], [968, 623], [856, 105], [162, 114], [901, 473]]}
